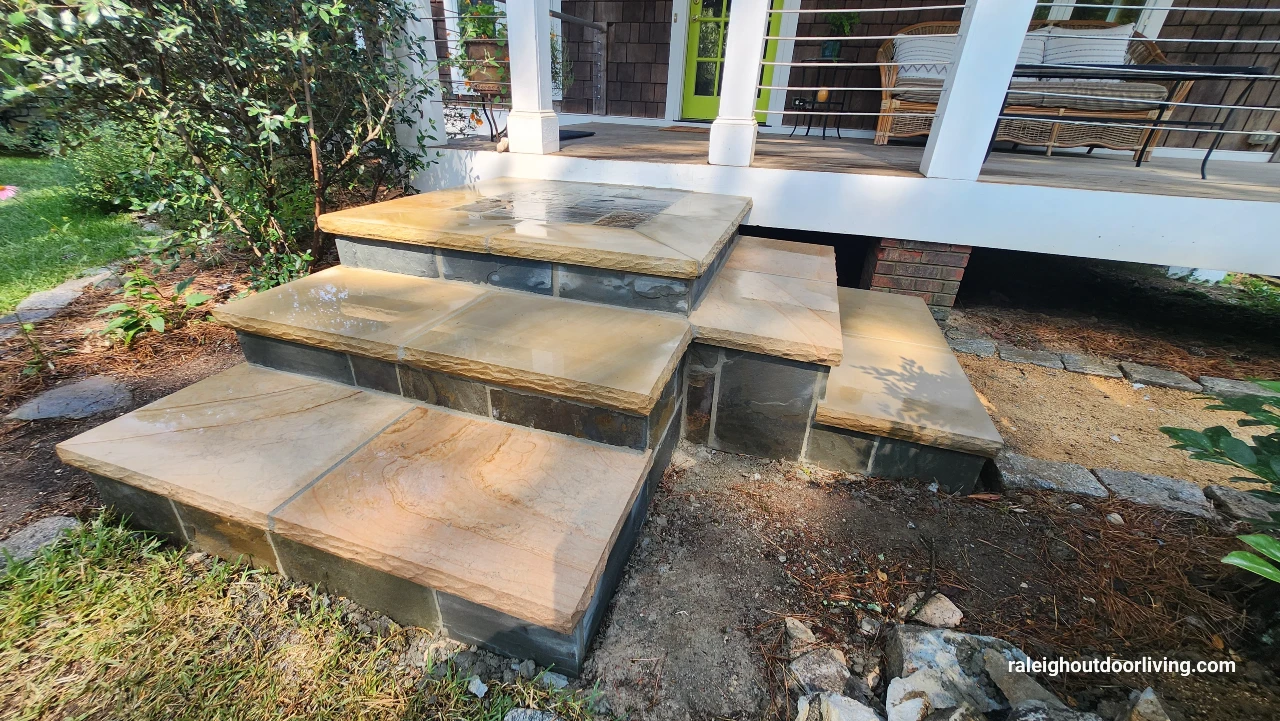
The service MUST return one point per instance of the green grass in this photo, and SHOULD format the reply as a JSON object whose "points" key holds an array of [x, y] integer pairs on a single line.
{"points": [[48, 234], [109, 624]]}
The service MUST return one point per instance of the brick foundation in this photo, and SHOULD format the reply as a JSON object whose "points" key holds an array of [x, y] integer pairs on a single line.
{"points": [[931, 271]]}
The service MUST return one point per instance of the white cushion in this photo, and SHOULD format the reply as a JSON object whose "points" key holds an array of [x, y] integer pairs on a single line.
{"points": [[1032, 52], [1106, 46], [923, 57]]}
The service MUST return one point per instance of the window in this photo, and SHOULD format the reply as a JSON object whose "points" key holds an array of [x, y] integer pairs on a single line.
{"points": [[1148, 15]]}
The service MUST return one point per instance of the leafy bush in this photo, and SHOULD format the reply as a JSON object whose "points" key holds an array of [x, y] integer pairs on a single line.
{"points": [[146, 308], [1261, 459], [280, 111]]}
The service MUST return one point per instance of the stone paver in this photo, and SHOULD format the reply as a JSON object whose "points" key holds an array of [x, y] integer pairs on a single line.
{"points": [[980, 347], [1041, 358], [1171, 494], [27, 542], [1018, 471], [47, 303], [1091, 365], [1240, 504], [1147, 375], [85, 398], [1229, 388]]}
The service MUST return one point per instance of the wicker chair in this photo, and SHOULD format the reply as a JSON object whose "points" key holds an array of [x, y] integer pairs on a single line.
{"points": [[898, 98]]}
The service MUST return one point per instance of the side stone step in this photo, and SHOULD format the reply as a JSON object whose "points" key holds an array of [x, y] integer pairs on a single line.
{"points": [[588, 370], [505, 536], [899, 405], [648, 248]]}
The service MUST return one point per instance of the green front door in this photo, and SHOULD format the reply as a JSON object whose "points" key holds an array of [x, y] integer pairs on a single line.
{"points": [[704, 58]]}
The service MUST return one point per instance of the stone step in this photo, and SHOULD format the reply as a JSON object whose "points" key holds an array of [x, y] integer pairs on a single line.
{"points": [[648, 248], [505, 536], [584, 369], [899, 405]]}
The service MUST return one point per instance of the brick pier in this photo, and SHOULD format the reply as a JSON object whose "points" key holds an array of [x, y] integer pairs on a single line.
{"points": [[931, 271]]}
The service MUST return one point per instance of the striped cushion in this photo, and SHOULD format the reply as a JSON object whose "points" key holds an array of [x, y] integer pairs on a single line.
{"points": [[923, 57], [1105, 46], [1033, 47], [1108, 96]]}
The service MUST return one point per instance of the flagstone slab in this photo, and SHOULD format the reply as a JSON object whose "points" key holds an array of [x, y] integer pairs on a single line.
{"points": [[99, 394], [659, 231], [781, 257], [511, 518], [237, 444], [773, 315], [888, 316], [596, 354]]}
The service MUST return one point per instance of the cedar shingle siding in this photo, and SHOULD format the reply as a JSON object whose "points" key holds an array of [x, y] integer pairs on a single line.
{"points": [[639, 46]]}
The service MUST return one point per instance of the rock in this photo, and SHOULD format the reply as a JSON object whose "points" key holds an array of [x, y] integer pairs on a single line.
{"points": [[47, 303], [964, 712], [1169, 493], [110, 282], [1115, 519], [1017, 687], [26, 543], [1150, 376], [1228, 388], [869, 626], [82, 399], [1041, 358], [797, 632], [529, 714], [834, 707], [1022, 472], [554, 680], [980, 347], [1090, 365], [1144, 706], [915, 696], [938, 611], [1240, 505], [1040, 711], [477, 687], [958, 657], [526, 668], [824, 669], [1075, 507]]}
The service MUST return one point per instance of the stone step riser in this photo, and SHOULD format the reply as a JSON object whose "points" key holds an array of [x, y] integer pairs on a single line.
{"points": [[893, 458], [487, 400], [562, 280]]}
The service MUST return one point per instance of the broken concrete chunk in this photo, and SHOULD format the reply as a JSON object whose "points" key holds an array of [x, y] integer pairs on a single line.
{"points": [[1228, 388], [834, 707], [938, 611], [956, 656], [1018, 471], [1171, 494], [1043, 358], [1240, 505], [1040, 711], [797, 632], [1016, 686], [1091, 365], [1144, 706], [824, 669], [915, 696], [1147, 375]]}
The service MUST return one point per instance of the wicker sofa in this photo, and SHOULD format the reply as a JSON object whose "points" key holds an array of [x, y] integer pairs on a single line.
{"points": [[1127, 103]]}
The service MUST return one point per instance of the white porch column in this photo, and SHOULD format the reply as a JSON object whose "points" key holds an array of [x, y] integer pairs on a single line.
{"points": [[532, 126], [733, 134], [991, 34], [430, 124]]}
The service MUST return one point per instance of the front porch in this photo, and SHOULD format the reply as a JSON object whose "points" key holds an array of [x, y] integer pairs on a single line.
{"points": [[684, 144]]}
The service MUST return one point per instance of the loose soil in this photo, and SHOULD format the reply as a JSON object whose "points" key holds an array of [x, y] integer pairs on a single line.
{"points": [[735, 543], [1097, 422], [1124, 311]]}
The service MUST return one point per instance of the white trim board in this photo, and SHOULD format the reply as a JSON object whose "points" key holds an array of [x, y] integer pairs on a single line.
{"points": [[1134, 227], [676, 52]]}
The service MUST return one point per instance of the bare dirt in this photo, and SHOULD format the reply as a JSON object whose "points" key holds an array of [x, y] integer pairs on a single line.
{"points": [[735, 543], [1097, 422]]}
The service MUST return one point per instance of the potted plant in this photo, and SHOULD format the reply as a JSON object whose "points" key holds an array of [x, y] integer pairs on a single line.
{"points": [[841, 25], [482, 32]]}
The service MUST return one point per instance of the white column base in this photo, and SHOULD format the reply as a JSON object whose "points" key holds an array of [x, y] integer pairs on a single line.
{"points": [[533, 131], [733, 142]]}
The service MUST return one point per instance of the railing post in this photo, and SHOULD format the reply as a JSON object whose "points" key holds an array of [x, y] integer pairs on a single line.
{"points": [[733, 134], [991, 35], [532, 126]]}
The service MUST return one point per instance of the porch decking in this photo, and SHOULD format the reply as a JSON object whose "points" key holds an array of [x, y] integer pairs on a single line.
{"points": [[1229, 180]]}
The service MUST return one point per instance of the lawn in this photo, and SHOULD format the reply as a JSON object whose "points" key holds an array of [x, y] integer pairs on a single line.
{"points": [[48, 234], [110, 624]]}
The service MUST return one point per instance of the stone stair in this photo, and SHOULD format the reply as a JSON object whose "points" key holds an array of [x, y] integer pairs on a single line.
{"points": [[462, 424]]}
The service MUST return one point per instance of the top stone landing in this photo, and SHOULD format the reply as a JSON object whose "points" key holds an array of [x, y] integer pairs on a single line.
{"points": [[673, 233]]}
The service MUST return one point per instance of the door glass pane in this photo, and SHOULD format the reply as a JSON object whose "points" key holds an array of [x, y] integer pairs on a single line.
{"points": [[708, 40], [1042, 10], [712, 8], [1083, 12], [1127, 16], [704, 82]]}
